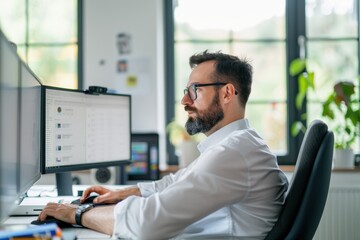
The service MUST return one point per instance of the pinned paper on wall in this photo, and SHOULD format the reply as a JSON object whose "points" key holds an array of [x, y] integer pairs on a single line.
{"points": [[133, 75], [123, 43], [122, 66], [131, 81]]}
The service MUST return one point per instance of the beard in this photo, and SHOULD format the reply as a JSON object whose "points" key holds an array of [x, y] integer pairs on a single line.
{"points": [[206, 119]]}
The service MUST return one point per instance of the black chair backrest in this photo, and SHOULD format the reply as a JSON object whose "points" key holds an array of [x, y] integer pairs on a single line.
{"points": [[306, 198]]}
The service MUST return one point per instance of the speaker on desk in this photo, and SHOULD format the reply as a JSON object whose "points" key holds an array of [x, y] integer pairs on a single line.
{"points": [[104, 176]]}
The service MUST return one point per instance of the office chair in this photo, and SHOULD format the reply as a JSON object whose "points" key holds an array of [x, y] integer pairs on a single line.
{"points": [[306, 198]]}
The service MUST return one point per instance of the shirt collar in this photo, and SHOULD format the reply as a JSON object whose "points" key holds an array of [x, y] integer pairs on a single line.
{"points": [[220, 134]]}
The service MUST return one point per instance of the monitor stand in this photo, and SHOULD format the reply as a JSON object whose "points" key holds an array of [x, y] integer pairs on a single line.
{"points": [[64, 184], [64, 180]]}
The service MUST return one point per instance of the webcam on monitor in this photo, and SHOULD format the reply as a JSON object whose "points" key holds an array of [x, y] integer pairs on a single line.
{"points": [[97, 90]]}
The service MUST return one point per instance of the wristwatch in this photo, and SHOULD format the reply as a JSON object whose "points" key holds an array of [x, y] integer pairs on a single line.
{"points": [[80, 210]]}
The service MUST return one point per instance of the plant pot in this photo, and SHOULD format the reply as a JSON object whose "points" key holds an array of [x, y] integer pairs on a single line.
{"points": [[343, 158], [188, 153]]}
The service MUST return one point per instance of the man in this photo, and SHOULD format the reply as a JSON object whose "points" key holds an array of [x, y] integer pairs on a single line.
{"points": [[233, 189]]}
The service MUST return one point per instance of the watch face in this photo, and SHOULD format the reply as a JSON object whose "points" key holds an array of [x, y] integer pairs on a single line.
{"points": [[85, 207]]}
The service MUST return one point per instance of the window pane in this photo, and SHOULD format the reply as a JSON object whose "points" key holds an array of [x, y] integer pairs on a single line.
{"points": [[272, 27], [52, 21], [247, 19], [331, 62], [12, 20], [269, 63], [55, 66], [21, 50], [184, 32], [328, 18], [270, 120]]}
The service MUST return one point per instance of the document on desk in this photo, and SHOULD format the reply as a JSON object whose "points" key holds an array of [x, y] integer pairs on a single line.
{"points": [[32, 206]]}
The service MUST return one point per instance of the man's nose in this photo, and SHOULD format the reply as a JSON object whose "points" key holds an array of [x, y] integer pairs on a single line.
{"points": [[186, 100]]}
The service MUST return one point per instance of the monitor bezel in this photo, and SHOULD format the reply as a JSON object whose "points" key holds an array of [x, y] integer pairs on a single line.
{"points": [[36, 177], [75, 167]]}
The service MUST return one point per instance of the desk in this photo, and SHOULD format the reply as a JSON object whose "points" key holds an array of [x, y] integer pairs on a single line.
{"points": [[81, 233]]}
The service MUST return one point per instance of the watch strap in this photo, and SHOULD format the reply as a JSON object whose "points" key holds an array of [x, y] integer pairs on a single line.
{"points": [[79, 212]]}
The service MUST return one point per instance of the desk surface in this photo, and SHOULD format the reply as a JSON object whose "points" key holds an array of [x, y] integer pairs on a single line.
{"points": [[48, 190]]}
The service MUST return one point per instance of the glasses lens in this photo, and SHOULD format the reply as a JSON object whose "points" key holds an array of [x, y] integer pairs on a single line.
{"points": [[187, 91], [192, 92]]}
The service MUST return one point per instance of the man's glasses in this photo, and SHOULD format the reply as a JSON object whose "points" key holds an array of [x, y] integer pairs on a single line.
{"points": [[192, 89]]}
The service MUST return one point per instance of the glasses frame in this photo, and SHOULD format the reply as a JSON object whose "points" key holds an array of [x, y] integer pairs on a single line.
{"points": [[194, 86]]}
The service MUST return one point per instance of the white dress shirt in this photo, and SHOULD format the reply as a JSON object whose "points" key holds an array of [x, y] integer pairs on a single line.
{"points": [[233, 189]]}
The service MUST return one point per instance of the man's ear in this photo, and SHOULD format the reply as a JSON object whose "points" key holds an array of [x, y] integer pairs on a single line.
{"points": [[230, 92]]}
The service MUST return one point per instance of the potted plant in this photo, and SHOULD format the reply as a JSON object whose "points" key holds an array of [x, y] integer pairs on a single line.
{"points": [[340, 110], [185, 145]]}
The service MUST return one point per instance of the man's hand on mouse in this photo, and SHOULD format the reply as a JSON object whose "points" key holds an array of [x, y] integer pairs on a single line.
{"points": [[109, 196]]}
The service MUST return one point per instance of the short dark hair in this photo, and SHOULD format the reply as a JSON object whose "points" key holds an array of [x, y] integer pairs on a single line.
{"points": [[228, 68]]}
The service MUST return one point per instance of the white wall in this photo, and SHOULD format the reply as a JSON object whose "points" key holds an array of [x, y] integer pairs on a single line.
{"points": [[143, 21]]}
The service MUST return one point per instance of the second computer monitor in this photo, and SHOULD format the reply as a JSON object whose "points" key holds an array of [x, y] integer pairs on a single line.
{"points": [[30, 112], [9, 127], [83, 131], [145, 157]]}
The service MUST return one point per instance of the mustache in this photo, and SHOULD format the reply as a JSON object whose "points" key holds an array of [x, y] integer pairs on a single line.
{"points": [[188, 108]]}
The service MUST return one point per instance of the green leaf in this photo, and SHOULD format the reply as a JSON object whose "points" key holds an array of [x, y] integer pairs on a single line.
{"points": [[296, 127], [311, 79], [352, 115], [357, 112], [297, 66], [303, 116], [348, 130], [327, 112], [348, 89], [299, 100], [303, 83]]}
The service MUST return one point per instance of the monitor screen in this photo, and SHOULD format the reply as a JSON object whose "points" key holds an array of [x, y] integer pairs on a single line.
{"points": [[30, 112], [83, 131], [145, 157], [9, 126]]}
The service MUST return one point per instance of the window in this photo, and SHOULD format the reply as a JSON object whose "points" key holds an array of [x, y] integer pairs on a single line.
{"points": [[332, 48], [46, 36], [267, 33]]}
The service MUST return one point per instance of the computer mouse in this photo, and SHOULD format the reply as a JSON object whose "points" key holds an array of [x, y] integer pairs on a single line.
{"points": [[87, 200], [48, 220]]}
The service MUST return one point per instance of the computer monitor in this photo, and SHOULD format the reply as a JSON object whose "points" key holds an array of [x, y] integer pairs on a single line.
{"points": [[9, 127], [145, 157], [83, 131], [30, 112], [20, 105]]}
